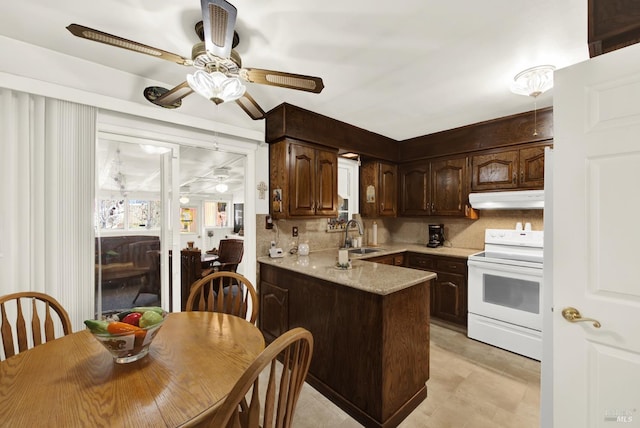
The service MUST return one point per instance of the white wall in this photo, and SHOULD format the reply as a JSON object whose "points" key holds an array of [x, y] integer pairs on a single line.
{"points": [[262, 175]]}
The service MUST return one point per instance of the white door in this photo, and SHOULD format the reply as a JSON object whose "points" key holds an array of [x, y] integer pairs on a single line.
{"points": [[596, 234]]}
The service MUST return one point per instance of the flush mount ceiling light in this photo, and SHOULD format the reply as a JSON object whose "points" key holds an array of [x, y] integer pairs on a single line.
{"points": [[184, 199], [216, 86], [221, 174], [532, 82]]}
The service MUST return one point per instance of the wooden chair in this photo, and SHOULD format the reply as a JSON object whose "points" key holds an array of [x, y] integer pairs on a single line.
{"points": [[40, 307], [229, 255], [295, 349], [151, 285], [237, 293]]}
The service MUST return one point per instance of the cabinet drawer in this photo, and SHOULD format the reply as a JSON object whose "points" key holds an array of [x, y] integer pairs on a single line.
{"points": [[419, 261], [448, 265]]}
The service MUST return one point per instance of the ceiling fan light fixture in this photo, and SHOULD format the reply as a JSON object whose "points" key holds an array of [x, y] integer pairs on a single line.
{"points": [[533, 81], [216, 86], [184, 200], [221, 187]]}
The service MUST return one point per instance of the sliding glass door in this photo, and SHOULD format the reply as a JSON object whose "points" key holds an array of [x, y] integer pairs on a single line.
{"points": [[132, 222], [139, 225]]}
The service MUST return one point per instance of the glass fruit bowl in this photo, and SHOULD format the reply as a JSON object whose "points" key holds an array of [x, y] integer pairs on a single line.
{"points": [[128, 342]]}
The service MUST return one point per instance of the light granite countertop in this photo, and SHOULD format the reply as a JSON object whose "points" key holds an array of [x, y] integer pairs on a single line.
{"points": [[371, 277], [391, 248]]}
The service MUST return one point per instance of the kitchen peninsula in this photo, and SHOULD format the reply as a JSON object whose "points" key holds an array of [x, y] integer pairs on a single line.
{"points": [[370, 325]]}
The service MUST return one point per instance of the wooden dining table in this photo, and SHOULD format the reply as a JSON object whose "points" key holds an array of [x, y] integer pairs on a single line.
{"points": [[193, 363]]}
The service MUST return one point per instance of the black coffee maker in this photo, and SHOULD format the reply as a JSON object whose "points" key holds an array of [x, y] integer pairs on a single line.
{"points": [[436, 235]]}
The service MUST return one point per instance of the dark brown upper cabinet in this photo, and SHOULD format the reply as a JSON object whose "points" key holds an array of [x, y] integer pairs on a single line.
{"points": [[515, 168], [613, 24], [378, 189], [415, 186], [434, 187], [303, 180]]}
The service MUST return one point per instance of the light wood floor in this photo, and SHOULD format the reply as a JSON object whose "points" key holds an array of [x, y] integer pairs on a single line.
{"points": [[471, 385]]}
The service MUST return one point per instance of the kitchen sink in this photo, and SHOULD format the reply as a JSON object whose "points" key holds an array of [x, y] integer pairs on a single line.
{"points": [[363, 250]]}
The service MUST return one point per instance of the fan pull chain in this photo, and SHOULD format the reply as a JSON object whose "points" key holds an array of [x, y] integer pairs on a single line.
{"points": [[535, 118]]}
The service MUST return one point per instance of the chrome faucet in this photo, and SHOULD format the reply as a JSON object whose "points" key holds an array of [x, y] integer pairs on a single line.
{"points": [[347, 244]]}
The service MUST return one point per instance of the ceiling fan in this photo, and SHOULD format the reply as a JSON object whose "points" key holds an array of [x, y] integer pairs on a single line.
{"points": [[219, 72]]}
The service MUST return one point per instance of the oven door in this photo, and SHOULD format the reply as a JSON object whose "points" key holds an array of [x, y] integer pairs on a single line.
{"points": [[506, 292]]}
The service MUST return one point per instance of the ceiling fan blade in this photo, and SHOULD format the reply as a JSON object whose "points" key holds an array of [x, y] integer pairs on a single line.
{"points": [[250, 106], [219, 20], [171, 98], [119, 42], [284, 80]]}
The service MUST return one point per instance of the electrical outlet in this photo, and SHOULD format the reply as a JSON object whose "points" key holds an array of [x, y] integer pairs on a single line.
{"points": [[294, 231]]}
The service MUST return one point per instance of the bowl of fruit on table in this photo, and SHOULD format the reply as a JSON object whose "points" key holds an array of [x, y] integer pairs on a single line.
{"points": [[128, 335]]}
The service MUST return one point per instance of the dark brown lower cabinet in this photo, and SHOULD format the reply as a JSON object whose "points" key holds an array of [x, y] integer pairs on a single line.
{"points": [[370, 352], [449, 289], [390, 259]]}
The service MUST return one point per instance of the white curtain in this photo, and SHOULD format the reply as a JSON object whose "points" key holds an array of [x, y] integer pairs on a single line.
{"points": [[46, 200]]}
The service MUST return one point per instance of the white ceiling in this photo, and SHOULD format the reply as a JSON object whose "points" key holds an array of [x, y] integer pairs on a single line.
{"points": [[140, 171], [401, 69]]}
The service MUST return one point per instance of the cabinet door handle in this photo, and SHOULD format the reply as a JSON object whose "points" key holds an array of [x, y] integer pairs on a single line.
{"points": [[521, 176], [515, 176]]}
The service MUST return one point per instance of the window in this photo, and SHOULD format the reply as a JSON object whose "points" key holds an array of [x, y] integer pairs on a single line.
{"points": [[339, 223], [110, 214], [217, 214], [144, 214], [188, 220], [135, 214]]}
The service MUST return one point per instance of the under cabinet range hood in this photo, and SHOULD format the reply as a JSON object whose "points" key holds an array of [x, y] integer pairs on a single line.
{"points": [[511, 200]]}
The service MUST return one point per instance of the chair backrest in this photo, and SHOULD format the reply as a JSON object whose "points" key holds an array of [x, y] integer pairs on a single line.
{"points": [[295, 349], [230, 254], [190, 272], [227, 292], [40, 307], [190, 268], [138, 252], [153, 259]]}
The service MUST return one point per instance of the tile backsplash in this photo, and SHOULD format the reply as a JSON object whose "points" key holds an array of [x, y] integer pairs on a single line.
{"points": [[459, 232]]}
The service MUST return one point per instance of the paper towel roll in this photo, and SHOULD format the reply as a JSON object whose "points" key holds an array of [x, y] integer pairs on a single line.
{"points": [[343, 257], [374, 234]]}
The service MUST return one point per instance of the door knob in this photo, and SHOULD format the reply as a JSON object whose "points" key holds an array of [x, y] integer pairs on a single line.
{"points": [[573, 315]]}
